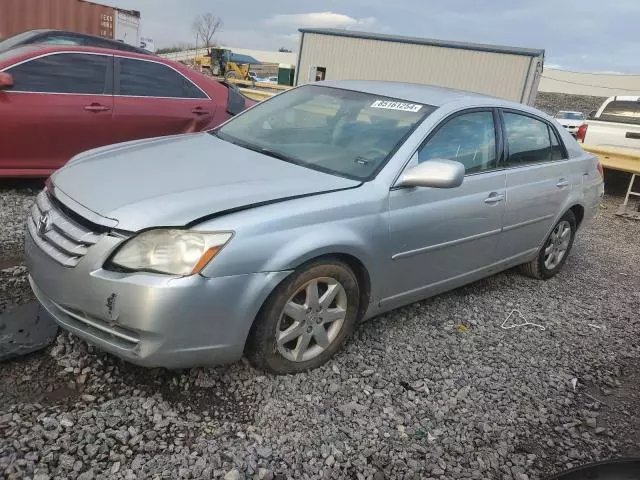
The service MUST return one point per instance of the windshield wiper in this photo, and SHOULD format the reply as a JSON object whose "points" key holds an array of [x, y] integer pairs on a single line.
{"points": [[255, 148], [275, 154]]}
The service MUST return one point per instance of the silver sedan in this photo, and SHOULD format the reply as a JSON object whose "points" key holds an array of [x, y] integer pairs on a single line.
{"points": [[323, 206]]}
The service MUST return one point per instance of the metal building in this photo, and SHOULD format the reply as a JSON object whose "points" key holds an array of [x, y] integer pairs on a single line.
{"points": [[505, 72]]}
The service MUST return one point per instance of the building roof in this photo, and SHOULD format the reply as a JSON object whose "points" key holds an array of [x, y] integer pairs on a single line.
{"points": [[529, 52]]}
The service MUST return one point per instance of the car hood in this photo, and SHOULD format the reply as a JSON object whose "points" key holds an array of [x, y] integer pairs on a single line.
{"points": [[174, 181], [571, 123]]}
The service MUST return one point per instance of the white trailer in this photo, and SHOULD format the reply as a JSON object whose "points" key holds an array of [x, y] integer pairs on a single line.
{"points": [[506, 72], [127, 28]]}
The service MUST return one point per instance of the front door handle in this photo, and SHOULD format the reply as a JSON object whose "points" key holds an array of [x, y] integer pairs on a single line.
{"points": [[96, 107], [199, 111], [494, 197], [562, 183]]}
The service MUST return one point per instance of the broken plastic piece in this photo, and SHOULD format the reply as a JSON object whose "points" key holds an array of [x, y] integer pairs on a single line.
{"points": [[599, 327], [524, 322], [25, 329]]}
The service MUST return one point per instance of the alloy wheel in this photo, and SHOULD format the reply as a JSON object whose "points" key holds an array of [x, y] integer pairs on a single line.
{"points": [[557, 245], [311, 319]]}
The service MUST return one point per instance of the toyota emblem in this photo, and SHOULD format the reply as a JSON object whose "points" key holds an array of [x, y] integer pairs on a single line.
{"points": [[43, 224]]}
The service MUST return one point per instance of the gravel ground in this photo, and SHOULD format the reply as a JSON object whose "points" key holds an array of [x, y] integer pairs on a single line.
{"points": [[433, 390], [552, 103]]}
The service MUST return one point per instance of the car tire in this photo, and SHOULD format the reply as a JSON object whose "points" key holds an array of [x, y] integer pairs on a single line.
{"points": [[553, 255], [287, 335]]}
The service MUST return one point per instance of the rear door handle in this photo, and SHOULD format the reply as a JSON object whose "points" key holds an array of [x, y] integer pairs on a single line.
{"points": [[494, 197], [96, 107], [199, 111], [562, 183]]}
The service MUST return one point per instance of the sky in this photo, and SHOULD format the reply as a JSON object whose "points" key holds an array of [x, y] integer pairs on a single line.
{"points": [[584, 35]]}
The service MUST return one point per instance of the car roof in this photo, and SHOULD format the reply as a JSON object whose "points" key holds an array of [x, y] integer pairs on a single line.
{"points": [[27, 51], [415, 92], [27, 38]]}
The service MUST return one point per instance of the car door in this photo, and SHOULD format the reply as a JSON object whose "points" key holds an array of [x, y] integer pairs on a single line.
{"points": [[440, 236], [60, 105], [539, 182], [152, 99]]}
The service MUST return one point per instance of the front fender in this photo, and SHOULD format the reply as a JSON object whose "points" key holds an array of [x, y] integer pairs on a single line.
{"points": [[290, 249], [316, 244]]}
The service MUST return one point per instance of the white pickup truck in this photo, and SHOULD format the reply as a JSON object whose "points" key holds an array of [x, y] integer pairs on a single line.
{"points": [[615, 124]]}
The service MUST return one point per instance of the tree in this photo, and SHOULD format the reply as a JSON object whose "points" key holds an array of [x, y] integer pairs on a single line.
{"points": [[284, 50], [205, 27]]}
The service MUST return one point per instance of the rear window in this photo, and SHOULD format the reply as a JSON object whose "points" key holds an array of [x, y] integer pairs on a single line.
{"points": [[622, 111], [570, 116]]}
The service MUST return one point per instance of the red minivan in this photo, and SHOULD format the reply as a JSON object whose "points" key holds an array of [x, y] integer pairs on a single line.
{"points": [[57, 101]]}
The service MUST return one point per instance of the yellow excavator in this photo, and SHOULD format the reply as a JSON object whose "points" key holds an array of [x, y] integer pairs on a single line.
{"points": [[221, 62]]}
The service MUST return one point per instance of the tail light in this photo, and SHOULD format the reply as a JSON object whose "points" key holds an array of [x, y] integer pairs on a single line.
{"points": [[582, 132], [600, 169]]}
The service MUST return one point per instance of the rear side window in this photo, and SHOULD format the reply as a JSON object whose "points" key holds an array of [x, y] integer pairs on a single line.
{"points": [[528, 140], [621, 111], [140, 78], [63, 73]]}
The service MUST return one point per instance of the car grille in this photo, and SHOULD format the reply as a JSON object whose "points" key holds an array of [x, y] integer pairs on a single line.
{"points": [[63, 238]]}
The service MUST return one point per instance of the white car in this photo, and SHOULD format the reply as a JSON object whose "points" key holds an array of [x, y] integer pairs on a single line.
{"points": [[570, 120]]}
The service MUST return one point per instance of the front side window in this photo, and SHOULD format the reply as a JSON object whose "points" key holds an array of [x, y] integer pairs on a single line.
{"points": [[78, 73], [139, 78], [343, 132], [469, 139], [527, 138], [621, 111]]}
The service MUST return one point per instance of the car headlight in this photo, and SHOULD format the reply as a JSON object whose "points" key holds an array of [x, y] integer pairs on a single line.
{"points": [[171, 251]]}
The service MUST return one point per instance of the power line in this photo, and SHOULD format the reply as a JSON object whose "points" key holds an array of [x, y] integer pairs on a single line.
{"points": [[594, 86]]}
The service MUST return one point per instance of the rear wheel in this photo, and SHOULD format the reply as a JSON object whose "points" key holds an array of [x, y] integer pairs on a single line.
{"points": [[555, 251], [306, 320]]}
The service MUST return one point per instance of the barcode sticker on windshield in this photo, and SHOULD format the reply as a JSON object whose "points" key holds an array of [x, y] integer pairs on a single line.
{"points": [[405, 107]]}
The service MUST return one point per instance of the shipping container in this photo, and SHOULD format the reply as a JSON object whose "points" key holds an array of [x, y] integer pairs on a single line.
{"points": [[506, 72], [80, 16]]}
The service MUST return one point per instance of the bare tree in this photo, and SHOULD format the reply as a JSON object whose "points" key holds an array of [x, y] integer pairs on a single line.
{"points": [[205, 27]]}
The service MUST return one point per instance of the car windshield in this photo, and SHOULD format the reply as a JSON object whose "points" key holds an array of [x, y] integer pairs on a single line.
{"points": [[342, 132], [18, 39], [570, 116]]}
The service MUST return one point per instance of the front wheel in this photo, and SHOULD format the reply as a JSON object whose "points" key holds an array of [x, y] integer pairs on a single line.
{"points": [[306, 320], [554, 253]]}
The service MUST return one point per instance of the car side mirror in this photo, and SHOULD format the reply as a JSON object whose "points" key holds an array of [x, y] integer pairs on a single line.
{"points": [[6, 81], [437, 173]]}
